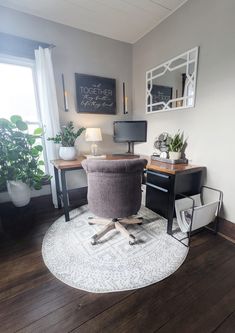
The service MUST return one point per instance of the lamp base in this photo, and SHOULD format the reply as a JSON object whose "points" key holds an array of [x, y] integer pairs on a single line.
{"points": [[96, 156], [94, 149]]}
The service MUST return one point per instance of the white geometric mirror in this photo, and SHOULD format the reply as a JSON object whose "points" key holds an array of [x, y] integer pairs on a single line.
{"points": [[172, 85]]}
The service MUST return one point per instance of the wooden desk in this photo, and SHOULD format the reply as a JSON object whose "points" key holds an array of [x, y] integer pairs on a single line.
{"points": [[60, 169], [165, 181]]}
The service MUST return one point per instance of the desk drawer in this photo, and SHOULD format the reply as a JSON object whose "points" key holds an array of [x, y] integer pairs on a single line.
{"points": [[159, 180], [157, 200]]}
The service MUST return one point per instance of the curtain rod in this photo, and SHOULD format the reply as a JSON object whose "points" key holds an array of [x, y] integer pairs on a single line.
{"points": [[51, 46], [20, 46], [8, 38]]}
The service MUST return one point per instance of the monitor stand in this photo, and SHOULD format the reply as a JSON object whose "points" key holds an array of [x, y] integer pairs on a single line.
{"points": [[130, 148], [130, 151]]}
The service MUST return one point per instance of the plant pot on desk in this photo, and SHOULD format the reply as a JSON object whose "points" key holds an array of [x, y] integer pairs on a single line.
{"points": [[174, 155], [67, 153], [67, 138]]}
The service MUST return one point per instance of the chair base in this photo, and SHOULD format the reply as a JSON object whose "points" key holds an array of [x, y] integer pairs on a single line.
{"points": [[114, 224]]}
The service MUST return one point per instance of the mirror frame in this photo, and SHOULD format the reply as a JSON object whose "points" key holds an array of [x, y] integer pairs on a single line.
{"points": [[167, 67]]}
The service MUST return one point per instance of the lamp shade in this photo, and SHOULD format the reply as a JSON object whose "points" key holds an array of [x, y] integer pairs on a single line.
{"points": [[93, 134]]}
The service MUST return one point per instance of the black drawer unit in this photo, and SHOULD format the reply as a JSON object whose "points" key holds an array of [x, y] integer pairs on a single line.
{"points": [[159, 180], [157, 200], [157, 192], [162, 189]]}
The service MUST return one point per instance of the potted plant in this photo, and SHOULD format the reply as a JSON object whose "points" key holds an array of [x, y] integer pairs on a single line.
{"points": [[67, 139], [176, 146], [20, 160]]}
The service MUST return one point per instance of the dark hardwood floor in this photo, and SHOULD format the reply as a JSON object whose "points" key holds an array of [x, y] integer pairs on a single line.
{"points": [[199, 297]]}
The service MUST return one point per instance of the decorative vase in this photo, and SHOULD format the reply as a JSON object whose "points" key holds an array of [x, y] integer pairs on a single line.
{"points": [[67, 153], [174, 155], [19, 193]]}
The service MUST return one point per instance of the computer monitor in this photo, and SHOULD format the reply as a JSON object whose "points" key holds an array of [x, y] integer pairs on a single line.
{"points": [[130, 132]]}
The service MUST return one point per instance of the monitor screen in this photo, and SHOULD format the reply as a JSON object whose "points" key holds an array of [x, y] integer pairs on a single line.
{"points": [[132, 131]]}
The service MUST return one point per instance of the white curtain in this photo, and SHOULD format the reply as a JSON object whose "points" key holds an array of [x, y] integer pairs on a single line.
{"points": [[48, 107]]}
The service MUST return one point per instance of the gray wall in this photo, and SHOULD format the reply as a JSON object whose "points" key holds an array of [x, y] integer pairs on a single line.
{"points": [[81, 52], [209, 126]]}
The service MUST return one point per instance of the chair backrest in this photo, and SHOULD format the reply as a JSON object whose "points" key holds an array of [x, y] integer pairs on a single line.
{"points": [[114, 186]]}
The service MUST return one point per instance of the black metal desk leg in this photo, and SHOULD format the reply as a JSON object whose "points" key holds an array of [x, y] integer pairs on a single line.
{"points": [[170, 214], [169, 225], [65, 197], [57, 185]]}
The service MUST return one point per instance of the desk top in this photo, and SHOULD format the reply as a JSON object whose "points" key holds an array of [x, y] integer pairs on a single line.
{"points": [[152, 165], [172, 168], [62, 164]]}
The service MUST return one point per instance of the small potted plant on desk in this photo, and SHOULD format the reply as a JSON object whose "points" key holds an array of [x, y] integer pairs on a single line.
{"points": [[176, 146], [21, 167], [67, 138]]}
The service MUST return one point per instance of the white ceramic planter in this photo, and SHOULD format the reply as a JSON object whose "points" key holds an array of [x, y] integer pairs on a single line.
{"points": [[174, 155], [19, 193], [67, 153]]}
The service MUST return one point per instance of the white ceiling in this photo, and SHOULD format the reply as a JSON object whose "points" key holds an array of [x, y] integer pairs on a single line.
{"points": [[125, 20]]}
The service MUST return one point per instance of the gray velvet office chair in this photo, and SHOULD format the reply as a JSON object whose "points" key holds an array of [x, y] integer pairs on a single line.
{"points": [[114, 194]]}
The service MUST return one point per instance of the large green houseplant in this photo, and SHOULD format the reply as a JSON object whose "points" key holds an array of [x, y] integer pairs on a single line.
{"points": [[20, 159], [67, 137]]}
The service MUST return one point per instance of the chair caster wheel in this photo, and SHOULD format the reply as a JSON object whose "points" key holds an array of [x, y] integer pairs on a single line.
{"points": [[93, 241], [141, 220], [140, 223], [90, 218], [132, 240]]}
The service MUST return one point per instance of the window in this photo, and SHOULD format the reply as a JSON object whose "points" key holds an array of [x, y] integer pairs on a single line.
{"points": [[18, 91]]}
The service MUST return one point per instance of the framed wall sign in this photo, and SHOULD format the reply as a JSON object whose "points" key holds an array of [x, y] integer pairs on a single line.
{"points": [[95, 94]]}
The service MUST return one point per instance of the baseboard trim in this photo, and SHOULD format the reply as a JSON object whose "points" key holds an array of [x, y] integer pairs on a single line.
{"points": [[227, 229], [226, 237], [45, 190]]}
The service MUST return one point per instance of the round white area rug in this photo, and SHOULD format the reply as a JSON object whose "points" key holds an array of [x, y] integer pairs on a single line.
{"points": [[112, 264]]}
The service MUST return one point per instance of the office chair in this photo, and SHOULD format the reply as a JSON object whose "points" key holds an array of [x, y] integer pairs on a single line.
{"points": [[114, 194]]}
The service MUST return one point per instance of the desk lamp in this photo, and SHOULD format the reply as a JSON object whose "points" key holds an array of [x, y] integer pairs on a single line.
{"points": [[93, 135]]}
